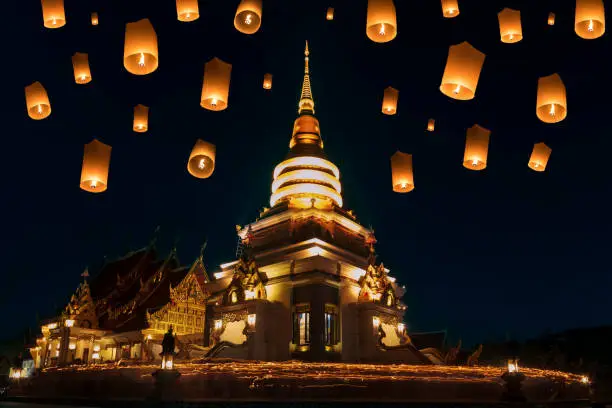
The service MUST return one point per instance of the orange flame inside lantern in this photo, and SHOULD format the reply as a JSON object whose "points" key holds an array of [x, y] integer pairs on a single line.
{"points": [[476, 148], [187, 10], [431, 124], [539, 157], [551, 105], [450, 8], [462, 71], [141, 118], [510, 27], [381, 23], [53, 12], [201, 162], [37, 101], [96, 161], [248, 16], [390, 99], [215, 90], [140, 54], [80, 64], [267, 82], [590, 21], [401, 172]]}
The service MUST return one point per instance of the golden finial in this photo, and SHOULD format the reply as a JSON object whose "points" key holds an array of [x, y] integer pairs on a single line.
{"points": [[306, 102]]}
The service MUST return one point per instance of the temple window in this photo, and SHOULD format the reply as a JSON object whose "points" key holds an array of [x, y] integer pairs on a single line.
{"points": [[301, 325], [331, 325], [234, 297]]}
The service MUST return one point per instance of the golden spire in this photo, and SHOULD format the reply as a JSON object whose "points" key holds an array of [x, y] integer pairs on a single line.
{"points": [[306, 104]]}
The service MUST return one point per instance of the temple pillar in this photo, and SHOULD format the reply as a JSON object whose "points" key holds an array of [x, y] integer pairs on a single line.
{"points": [[64, 342]]}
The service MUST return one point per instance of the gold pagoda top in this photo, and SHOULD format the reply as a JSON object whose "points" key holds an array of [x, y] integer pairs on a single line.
{"points": [[306, 104], [306, 179]]}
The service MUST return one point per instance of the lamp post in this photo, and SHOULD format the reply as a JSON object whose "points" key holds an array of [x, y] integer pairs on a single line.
{"points": [[167, 376], [513, 379]]}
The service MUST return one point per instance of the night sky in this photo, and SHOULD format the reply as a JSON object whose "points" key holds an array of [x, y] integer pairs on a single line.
{"points": [[504, 251]]}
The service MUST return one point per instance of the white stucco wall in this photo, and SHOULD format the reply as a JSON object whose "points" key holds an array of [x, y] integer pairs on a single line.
{"points": [[233, 332]]}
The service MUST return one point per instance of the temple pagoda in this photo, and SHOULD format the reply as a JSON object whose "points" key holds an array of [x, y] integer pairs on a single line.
{"points": [[306, 284]]}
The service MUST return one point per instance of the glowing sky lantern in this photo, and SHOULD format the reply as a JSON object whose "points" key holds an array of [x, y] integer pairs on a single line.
{"points": [[53, 12], [431, 125], [450, 8], [141, 118], [140, 54], [476, 148], [551, 104], [590, 20], [539, 157], [401, 172], [202, 159], [390, 98], [187, 10], [248, 16], [37, 101], [94, 19], [267, 82], [215, 90], [510, 28], [462, 71], [381, 23], [80, 65], [330, 13], [551, 19], [96, 161]]}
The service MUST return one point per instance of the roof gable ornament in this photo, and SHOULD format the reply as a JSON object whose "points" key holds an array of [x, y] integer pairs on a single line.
{"points": [[376, 286]]}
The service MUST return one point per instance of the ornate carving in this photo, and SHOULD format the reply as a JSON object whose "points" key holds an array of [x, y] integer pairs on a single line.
{"points": [[81, 306], [473, 358], [376, 287], [246, 282]]}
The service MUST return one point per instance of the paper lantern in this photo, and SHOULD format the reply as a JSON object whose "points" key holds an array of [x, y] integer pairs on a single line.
{"points": [[462, 71], [551, 105], [94, 19], [476, 148], [450, 8], [54, 15], [37, 101], [401, 172], [431, 125], [140, 54], [187, 10], [390, 97], [381, 23], [551, 19], [267, 82], [539, 157], [510, 28], [80, 64], [96, 160], [215, 90], [202, 159], [248, 16], [590, 20], [330, 13], [141, 118]]}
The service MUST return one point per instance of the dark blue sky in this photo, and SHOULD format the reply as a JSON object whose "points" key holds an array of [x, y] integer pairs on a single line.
{"points": [[505, 250]]}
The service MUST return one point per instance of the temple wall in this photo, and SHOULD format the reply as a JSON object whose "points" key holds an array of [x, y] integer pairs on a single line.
{"points": [[272, 332]]}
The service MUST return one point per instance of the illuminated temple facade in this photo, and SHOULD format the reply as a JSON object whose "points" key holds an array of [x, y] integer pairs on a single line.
{"points": [[306, 285]]}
